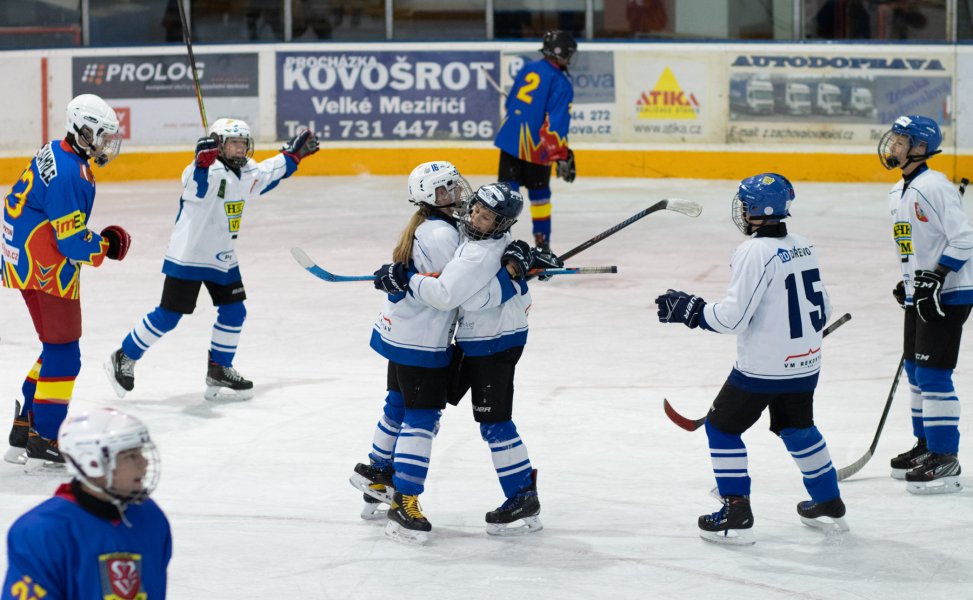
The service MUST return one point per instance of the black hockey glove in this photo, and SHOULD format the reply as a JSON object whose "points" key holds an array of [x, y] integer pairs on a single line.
{"points": [[207, 149], [517, 254], [680, 307], [928, 285], [303, 144], [392, 278], [565, 168], [544, 259], [898, 292]]}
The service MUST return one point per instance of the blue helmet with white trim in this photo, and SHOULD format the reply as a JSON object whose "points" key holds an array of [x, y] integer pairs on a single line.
{"points": [[763, 197], [918, 129]]}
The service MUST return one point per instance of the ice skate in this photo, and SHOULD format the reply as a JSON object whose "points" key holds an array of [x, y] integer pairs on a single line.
{"points": [[937, 474], [910, 459], [541, 242], [43, 457], [827, 516], [374, 481], [732, 524], [406, 523], [225, 383], [121, 372], [523, 507], [17, 453], [373, 509]]}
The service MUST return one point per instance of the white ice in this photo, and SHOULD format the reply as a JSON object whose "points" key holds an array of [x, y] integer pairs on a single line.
{"points": [[258, 492]]}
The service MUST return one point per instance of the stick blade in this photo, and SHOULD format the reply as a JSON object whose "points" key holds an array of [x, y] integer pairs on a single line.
{"points": [[302, 258], [846, 472], [686, 207], [681, 421]]}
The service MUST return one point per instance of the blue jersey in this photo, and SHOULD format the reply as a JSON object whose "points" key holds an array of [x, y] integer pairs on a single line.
{"points": [[60, 551], [45, 224], [538, 114]]}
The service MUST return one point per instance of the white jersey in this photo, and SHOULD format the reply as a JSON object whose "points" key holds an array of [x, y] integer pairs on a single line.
{"points": [[493, 309], [407, 331], [930, 227], [202, 244], [777, 305]]}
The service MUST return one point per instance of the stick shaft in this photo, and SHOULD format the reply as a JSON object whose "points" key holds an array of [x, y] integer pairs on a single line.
{"points": [[192, 62]]}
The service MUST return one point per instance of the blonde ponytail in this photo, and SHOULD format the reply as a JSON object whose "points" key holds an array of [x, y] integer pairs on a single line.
{"points": [[403, 250]]}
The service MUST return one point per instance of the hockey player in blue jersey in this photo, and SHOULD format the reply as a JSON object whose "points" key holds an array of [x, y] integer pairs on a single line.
{"points": [[492, 301], [777, 306], [934, 243], [217, 186], [415, 338], [100, 536], [534, 133], [45, 242]]}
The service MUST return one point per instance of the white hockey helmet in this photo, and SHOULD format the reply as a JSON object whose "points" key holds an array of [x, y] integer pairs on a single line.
{"points": [[95, 128], [91, 442], [229, 129], [438, 184]]}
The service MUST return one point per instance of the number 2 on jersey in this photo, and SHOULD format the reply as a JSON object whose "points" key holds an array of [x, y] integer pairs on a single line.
{"points": [[816, 298], [531, 81]]}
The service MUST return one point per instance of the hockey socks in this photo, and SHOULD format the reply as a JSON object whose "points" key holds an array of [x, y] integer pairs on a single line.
{"points": [[509, 456], [729, 457], [149, 331], [940, 410], [915, 399], [60, 365], [30, 386], [810, 452], [387, 430], [226, 332], [540, 212], [412, 450]]}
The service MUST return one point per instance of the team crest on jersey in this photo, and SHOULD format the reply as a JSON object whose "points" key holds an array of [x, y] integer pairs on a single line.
{"points": [[121, 576], [919, 214]]}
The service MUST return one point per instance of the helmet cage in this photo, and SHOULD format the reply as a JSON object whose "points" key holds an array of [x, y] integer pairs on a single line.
{"points": [[94, 125], [764, 197], [502, 201], [439, 185], [232, 129], [916, 129]]}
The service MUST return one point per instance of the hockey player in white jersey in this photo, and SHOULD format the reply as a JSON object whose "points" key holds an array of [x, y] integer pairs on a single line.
{"points": [[777, 306], [934, 242], [493, 301], [415, 338], [217, 186]]}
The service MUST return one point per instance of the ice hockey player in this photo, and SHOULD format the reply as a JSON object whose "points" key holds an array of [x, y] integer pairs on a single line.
{"points": [[45, 241], [534, 133], [491, 333], [415, 338], [777, 306], [933, 242], [100, 536], [217, 185]]}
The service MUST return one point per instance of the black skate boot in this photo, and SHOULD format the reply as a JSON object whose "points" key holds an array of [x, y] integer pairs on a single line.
{"points": [[541, 241], [812, 513], [937, 474], [375, 482], [406, 523], [524, 506], [121, 372], [220, 378], [43, 455], [731, 524], [17, 453], [910, 459]]}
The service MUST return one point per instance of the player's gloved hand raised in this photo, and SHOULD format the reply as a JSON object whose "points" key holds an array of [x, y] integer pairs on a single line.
{"points": [[303, 144], [898, 292], [517, 257], [928, 285], [393, 278], [118, 241], [680, 307], [207, 149], [544, 259], [565, 168]]}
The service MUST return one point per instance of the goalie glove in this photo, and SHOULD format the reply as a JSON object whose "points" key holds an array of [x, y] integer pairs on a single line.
{"points": [[303, 144], [565, 168]]}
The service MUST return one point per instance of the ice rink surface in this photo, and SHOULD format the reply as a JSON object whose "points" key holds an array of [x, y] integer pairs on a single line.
{"points": [[258, 494]]}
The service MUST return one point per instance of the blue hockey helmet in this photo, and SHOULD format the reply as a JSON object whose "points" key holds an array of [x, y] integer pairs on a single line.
{"points": [[917, 129], [767, 196], [500, 199]]}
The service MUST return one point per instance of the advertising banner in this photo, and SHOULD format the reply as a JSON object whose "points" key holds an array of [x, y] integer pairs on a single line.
{"points": [[404, 95], [835, 96], [964, 97], [155, 97]]}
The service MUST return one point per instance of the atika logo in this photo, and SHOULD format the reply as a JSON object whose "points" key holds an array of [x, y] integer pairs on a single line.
{"points": [[667, 100]]}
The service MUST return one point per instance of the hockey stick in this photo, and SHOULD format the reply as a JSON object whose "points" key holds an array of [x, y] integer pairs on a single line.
{"points": [[192, 62], [694, 424], [314, 269], [962, 186], [686, 207], [493, 82], [856, 466]]}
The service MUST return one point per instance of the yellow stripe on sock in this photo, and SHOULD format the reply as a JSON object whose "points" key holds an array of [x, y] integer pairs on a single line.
{"points": [[54, 391], [540, 211]]}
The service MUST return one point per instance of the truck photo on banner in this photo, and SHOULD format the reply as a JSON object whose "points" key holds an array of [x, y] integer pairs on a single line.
{"points": [[155, 97], [819, 98], [404, 95]]}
